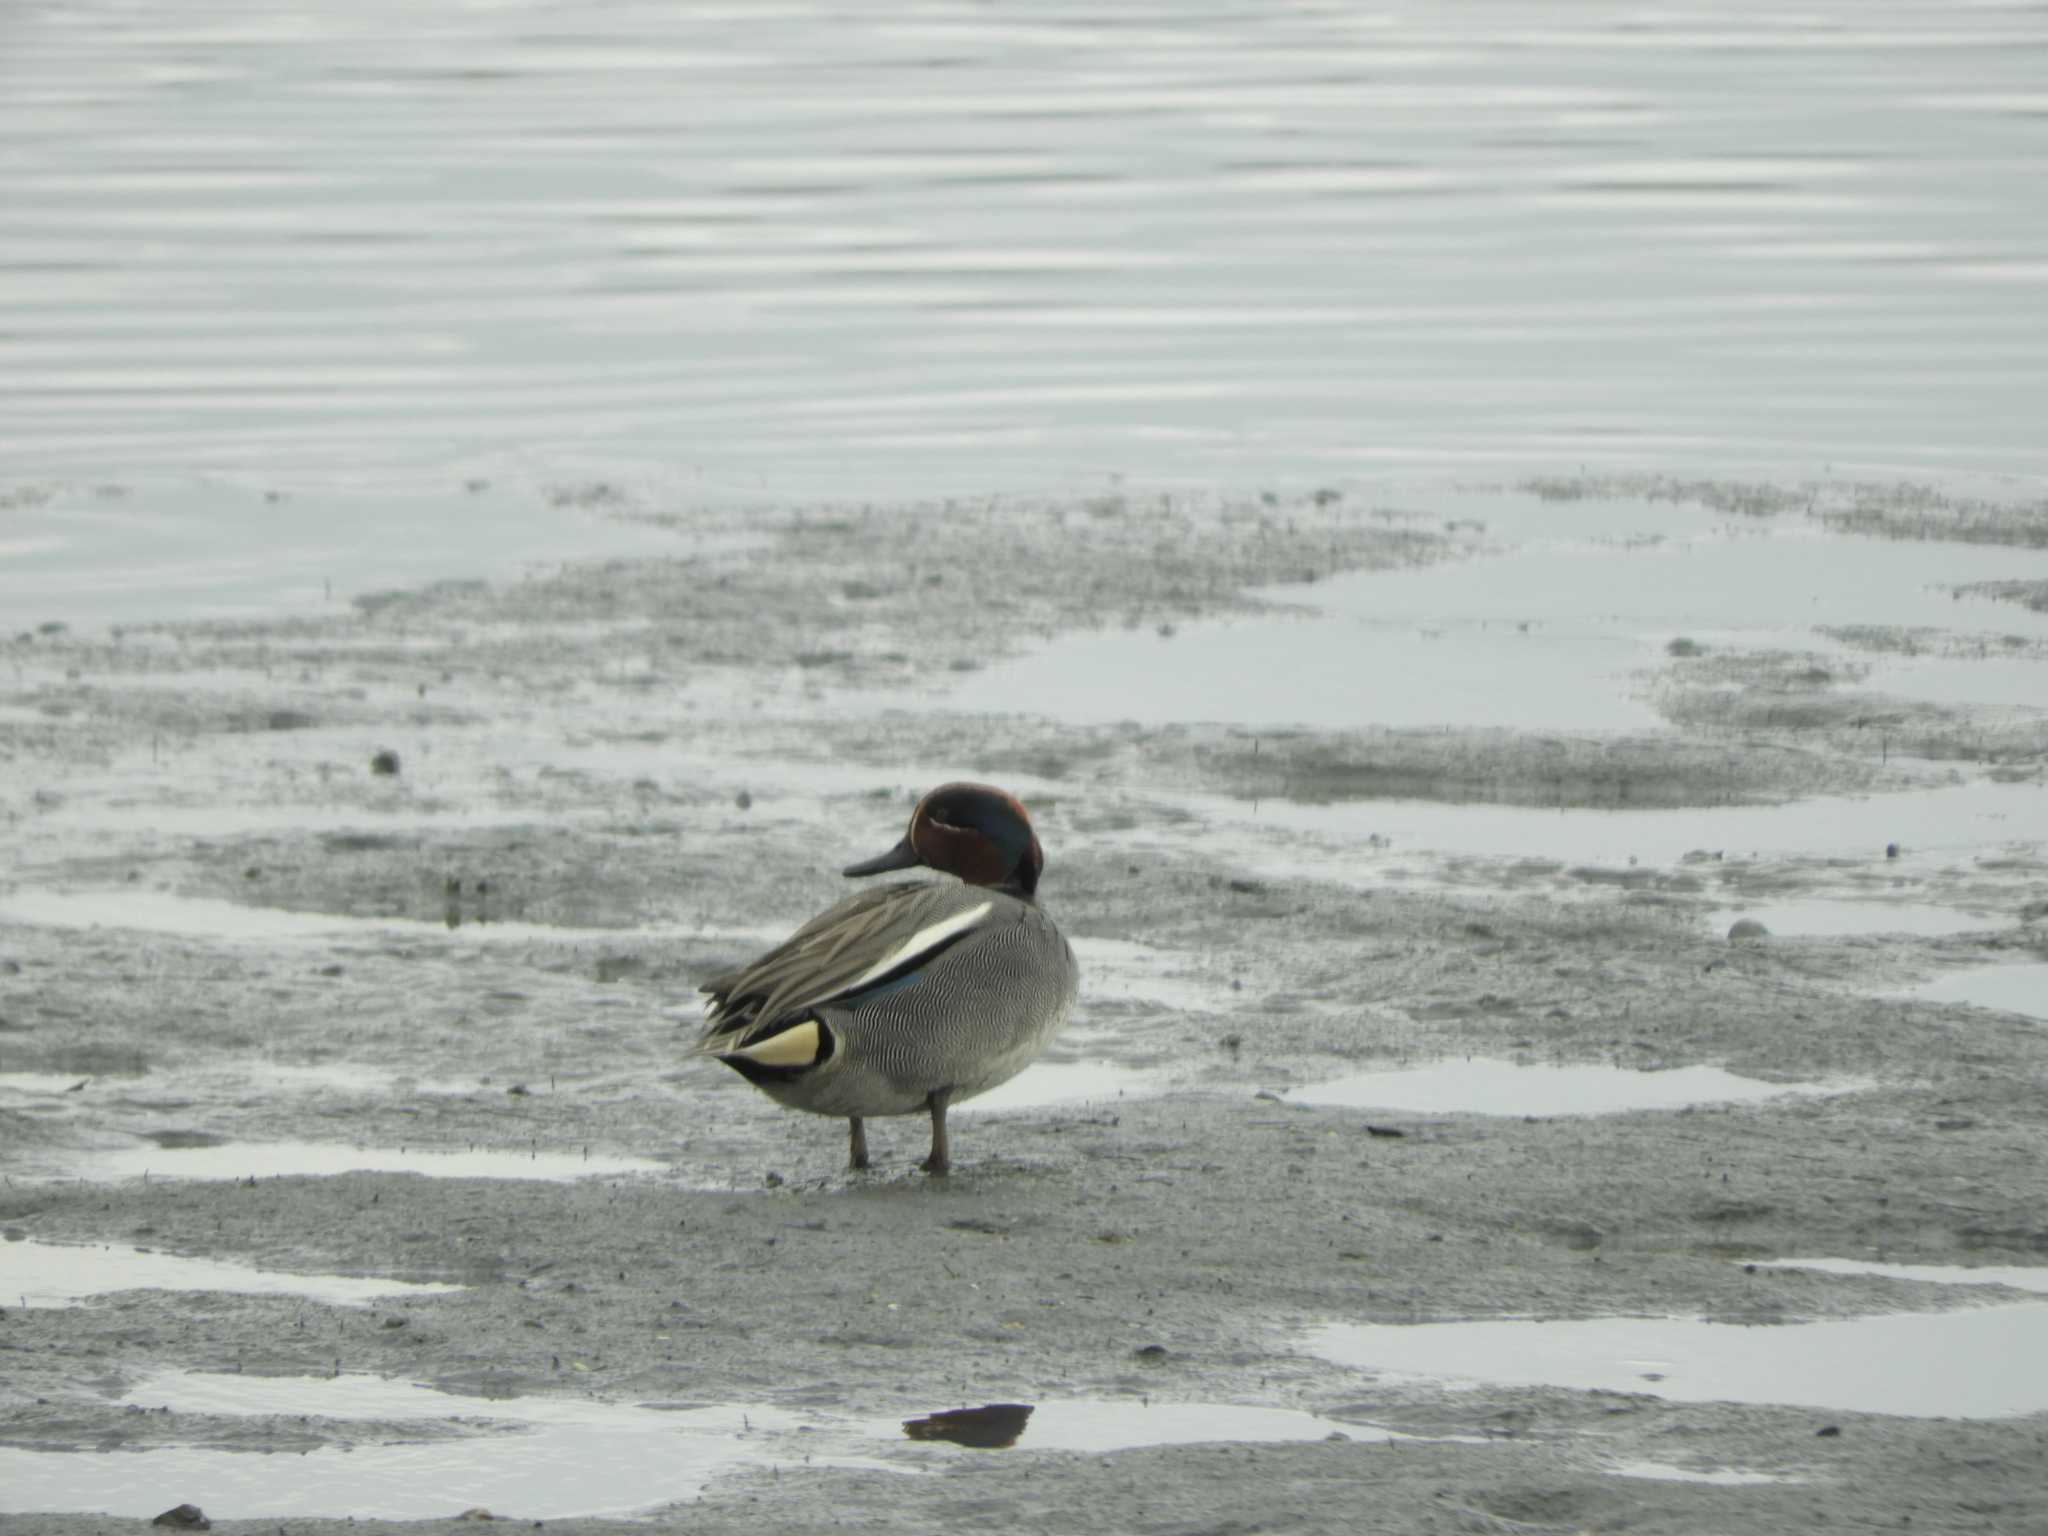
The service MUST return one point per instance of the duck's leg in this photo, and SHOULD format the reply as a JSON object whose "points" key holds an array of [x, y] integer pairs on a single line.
{"points": [[857, 1152], [938, 1162]]}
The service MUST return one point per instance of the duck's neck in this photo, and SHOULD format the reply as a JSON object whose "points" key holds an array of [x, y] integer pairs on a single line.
{"points": [[1022, 882]]}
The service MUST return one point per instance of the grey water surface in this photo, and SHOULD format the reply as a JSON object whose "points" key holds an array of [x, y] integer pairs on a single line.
{"points": [[853, 250]]}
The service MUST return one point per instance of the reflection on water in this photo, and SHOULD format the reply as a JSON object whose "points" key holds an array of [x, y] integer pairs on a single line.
{"points": [[858, 250]]}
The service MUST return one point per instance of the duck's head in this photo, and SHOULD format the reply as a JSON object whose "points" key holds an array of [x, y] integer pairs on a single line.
{"points": [[974, 831]]}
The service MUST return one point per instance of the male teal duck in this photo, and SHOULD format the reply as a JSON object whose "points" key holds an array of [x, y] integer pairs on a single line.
{"points": [[911, 996]]}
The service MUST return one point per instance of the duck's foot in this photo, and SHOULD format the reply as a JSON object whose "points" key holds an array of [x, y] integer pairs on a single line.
{"points": [[938, 1164], [857, 1151]]}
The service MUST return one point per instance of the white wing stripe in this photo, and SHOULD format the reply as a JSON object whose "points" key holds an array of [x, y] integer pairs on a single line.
{"points": [[922, 942]]}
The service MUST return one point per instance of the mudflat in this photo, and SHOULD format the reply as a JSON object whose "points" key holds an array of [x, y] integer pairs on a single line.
{"points": [[364, 944]]}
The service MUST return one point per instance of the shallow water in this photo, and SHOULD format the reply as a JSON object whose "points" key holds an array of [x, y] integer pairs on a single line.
{"points": [[1047, 1083], [1481, 1087], [2019, 1277], [34, 1274], [210, 917], [1936, 827], [1822, 917], [1557, 632], [1727, 1477], [175, 548], [298, 1159], [1982, 1363], [561, 1457], [2016, 988], [857, 251], [1103, 1425]]}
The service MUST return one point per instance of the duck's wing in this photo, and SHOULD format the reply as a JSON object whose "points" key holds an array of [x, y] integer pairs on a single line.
{"points": [[865, 941]]}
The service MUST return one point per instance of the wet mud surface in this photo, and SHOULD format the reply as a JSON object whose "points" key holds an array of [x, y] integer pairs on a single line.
{"points": [[223, 927]]}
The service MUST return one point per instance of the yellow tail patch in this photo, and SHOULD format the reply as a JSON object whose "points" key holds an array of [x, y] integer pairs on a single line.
{"points": [[796, 1047]]}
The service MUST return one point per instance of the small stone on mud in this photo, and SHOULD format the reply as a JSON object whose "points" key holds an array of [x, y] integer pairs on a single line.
{"points": [[1827, 1432], [1747, 930], [385, 762], [774, 1180], [743, 800], [1151, 1351], [187, 1517]]}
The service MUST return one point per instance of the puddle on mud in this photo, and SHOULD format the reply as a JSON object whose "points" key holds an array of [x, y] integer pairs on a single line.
{"points": [[1047, 1083], [562, 1457], [1336, 840], [553, 1458], [1992, 681], [38, 1085], [1980, 1363], [1727, 1477], [1826, 918], [2019, 988], [178, 548], [88, 1094], [1334, 671], [289, 1159], [1556, 633], [1488, 1087], [1103, 1425], [2021, 1277], [210, 917], [34, 1274]]}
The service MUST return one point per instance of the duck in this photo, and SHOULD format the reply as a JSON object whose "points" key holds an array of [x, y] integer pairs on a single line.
{"points": [[911, 996]]}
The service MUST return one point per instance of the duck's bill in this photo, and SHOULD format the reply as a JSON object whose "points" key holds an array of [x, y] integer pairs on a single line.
{"points": [[902, 856]]}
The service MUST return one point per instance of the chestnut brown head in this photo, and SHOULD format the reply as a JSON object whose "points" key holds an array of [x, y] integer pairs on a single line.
{"points": [[975, 831]]}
